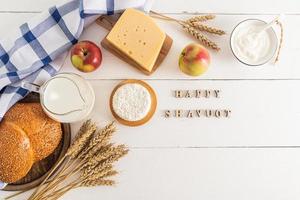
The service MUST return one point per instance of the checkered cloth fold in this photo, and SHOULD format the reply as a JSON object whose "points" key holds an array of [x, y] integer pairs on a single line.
{"points": [[36, 50]]}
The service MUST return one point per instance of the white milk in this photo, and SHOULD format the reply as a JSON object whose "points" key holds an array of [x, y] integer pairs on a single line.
{"points": [[251, 45], [62, 96], [67, 98]]}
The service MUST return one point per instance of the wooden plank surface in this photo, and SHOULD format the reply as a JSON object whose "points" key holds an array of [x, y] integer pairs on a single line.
{"points": [[264, 113], [12, 20], [252, 155], [178, 6], [210, 174]]}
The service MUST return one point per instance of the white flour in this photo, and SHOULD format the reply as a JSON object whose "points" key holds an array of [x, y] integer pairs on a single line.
{"points": [[132, 102]]}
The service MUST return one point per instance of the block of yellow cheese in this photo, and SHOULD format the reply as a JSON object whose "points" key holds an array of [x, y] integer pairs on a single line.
{"points": [[138, 37]]}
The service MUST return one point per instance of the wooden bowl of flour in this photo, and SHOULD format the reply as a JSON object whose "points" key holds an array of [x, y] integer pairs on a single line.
{"points": [[147, 116]]}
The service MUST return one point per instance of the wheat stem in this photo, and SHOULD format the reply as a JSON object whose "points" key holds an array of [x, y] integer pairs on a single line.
{"points": [[193, 27], [90, 158], [47, 177], [61, 190], [58, 178], [199, 36], [202, 18], [207, 29], [164, 17]]}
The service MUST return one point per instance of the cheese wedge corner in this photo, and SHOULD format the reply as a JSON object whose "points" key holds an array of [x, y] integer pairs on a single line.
{"points": [[137, 36]]}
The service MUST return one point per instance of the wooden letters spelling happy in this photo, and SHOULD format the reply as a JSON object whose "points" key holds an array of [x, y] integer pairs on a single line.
{"points": [[196, 94]]}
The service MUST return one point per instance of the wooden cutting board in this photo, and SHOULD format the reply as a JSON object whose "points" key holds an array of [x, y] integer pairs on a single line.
{"points": [[40, 170], [108, 21]]}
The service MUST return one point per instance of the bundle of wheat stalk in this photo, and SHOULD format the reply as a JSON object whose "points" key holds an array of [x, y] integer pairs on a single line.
{"points": [[88, 162], [195, 27]]}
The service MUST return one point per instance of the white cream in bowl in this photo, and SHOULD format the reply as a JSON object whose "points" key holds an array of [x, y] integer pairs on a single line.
{"points": [[252, 46]]}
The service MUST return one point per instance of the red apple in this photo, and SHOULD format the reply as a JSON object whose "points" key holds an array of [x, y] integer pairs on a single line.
{"points": [[194, 60], [86, 56]]}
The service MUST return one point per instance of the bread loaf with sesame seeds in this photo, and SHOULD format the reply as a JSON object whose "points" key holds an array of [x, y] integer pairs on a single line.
{"points": [[43, 132], [16, 157], [25, 123]]}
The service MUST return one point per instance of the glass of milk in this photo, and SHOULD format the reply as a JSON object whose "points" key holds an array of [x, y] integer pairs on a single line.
{"points": [[252, 46], [66, 97]]}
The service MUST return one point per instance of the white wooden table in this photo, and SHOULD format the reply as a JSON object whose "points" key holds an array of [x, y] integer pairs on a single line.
{"points": [[255, 154]]}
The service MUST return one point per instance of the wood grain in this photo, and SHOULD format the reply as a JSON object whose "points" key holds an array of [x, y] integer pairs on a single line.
{"points": [[201, 173], [262, 164], [264, 113], [177, 6]]}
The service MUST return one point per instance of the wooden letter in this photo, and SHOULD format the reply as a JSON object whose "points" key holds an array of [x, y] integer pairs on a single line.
{"points": [[198, 113], [217, 113], [207, 93], [190, 114], [178, 113], [217, 93], [208, 113], [178, 94], [198, 93], [167, 113], [188, 94], [227, 112]]}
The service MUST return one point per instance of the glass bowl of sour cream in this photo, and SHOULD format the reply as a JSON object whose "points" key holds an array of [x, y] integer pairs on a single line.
{"points": [[252, 46]]}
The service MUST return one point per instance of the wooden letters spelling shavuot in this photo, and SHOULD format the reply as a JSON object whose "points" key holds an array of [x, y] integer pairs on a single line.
{"points": [[196, 94]]}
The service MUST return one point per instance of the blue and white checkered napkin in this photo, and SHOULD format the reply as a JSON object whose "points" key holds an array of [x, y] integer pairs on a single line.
{"points": [[36, 50]]}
